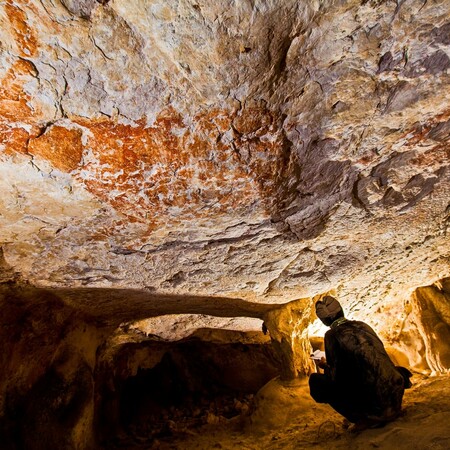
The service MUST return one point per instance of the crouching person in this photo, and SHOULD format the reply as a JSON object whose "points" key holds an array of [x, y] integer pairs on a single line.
{"points": [[359, 381]]}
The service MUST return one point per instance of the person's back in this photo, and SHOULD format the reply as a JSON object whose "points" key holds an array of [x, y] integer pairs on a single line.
{"points": [[362, 371], [360, 380]]}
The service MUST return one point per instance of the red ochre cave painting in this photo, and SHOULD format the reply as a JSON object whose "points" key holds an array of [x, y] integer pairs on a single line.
{"points": [[148, 173], [169, 169], [218, 162], [151, 172]]}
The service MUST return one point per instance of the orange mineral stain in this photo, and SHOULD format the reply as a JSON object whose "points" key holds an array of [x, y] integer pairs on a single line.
{"points": [[151, 174], [17, 120], [23, 34], [160, 170], [60, 146]]}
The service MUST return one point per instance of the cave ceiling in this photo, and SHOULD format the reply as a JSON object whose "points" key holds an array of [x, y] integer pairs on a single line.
{"points": [[263, 150]]}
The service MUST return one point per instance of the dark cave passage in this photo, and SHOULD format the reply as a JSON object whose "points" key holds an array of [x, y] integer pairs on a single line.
{"points": [[177, 386]]}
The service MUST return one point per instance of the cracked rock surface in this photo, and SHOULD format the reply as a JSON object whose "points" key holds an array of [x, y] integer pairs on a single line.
{"points": [[265, 150], [181, 180]]}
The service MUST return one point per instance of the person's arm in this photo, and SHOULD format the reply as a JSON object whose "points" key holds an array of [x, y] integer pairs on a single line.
{"points": [[331, 351]]}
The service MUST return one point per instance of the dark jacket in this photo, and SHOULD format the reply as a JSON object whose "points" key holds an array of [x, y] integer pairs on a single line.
{"points": [[362, 375]]}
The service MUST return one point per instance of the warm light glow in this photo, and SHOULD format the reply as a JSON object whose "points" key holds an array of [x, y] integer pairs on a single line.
{"points": [[317, 329]]}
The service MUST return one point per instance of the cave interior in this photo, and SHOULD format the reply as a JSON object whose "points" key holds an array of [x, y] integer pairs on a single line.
{"points": [[181, 181]]}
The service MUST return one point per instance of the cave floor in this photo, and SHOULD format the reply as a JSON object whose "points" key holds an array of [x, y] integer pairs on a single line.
{"points": [[284, 417]]}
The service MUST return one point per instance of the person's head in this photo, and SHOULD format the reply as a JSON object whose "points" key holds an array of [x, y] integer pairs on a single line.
{"points": [[328, 310]]}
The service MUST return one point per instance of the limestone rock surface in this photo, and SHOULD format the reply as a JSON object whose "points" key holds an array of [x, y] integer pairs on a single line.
{"points": [[266, 150]]}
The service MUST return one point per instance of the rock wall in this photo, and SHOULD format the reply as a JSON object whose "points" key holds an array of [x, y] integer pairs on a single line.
{"points": [[431, 305], [47, 379], [76, 378], [266, 150], [71, 379]]}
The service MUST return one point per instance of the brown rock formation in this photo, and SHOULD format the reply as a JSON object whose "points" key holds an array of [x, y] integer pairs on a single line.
{"points": [[208, 163]]}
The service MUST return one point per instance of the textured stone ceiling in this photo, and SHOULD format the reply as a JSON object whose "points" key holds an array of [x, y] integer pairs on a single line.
{"points": [[180, 174], [266, 150]]}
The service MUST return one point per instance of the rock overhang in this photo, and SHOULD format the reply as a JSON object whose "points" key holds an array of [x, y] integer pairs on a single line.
{"points": [[252, 150]]}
